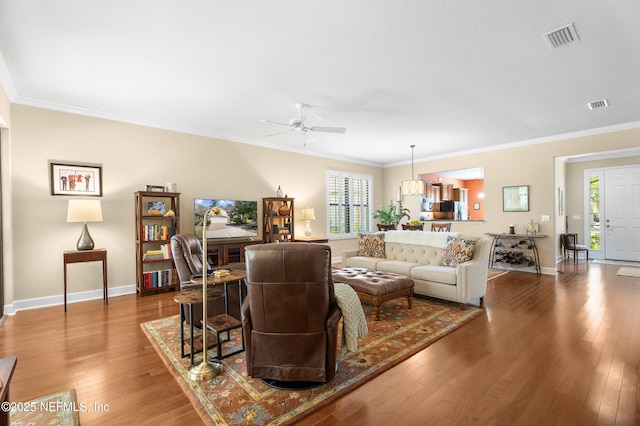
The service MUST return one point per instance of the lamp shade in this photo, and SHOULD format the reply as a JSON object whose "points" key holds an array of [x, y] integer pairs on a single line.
{"points": [[412, 187], [308, 214], [84, 211]]}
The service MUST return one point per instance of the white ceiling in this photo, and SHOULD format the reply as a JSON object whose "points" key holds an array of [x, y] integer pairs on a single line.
{"points": [[447, 76]]}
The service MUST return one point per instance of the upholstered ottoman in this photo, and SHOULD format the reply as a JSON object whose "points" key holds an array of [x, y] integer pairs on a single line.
{"points": [[375, 287]]}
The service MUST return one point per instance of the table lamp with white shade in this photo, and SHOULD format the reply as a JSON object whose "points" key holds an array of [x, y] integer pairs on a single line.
{"points": [[308, 215], [84, 211]]}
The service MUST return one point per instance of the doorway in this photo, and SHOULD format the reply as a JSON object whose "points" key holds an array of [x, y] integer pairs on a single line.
{"points": [[621, 226], [612, 212]]}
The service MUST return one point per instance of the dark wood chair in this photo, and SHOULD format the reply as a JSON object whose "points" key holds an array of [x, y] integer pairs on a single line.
{"points": [[389, 227], [413, 227], [569, 243], [441, 227]]}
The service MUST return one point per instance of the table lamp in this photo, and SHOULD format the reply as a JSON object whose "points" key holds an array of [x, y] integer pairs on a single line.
{"points": [[84, 211], [308, 215]]}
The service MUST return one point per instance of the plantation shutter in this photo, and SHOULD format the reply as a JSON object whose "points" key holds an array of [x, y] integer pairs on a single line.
{"points": [[349, 200]]}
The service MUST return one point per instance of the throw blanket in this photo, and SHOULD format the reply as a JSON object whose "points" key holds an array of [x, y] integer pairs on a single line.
{"points": [[354, 325]]}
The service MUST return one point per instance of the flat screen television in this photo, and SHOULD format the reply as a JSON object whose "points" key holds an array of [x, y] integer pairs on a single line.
{"points": [[231, 219]]}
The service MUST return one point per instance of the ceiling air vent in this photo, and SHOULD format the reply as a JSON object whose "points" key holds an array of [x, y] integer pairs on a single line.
{"points": [[598, 104], [562, 36]]}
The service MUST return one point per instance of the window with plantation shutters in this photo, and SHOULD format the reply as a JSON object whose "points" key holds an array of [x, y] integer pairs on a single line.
{"points": [[349, 201]]}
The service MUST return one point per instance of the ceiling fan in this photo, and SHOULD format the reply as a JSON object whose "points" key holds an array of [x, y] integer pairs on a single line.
{"points": [[298, 124]]}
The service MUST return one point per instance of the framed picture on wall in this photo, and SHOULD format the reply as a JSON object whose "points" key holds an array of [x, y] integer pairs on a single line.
{"points": [[515, 198], [476, 206], [76, 179]]}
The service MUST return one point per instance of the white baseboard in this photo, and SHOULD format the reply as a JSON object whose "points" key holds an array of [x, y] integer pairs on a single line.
{"points": [[41, 302]]}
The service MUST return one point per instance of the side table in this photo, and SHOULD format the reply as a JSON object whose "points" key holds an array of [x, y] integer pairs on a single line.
{"points": [[225, 322], [7, 367], [188, 298], [76, 256]]}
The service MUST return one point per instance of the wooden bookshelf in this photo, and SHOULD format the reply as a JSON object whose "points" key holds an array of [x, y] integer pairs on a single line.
{"points": [[277, 220], [155, 271]]}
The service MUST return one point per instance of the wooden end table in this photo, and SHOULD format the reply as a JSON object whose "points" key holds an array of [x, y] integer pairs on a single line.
{"points": [[224, 322], [76, 256], [188, 299]]}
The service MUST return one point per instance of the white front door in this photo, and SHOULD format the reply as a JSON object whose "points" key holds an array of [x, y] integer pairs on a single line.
{"points": [[622, 213]]}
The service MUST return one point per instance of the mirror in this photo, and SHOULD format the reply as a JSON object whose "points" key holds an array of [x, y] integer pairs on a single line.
{"points": [[453, 195]]}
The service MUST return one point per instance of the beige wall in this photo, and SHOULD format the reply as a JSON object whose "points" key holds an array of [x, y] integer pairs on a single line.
{"points": [[133, 156]]}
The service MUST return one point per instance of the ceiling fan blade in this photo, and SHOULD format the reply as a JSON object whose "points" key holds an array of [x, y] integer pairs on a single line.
{"points": [[275, 122], [279, 133], [328, 129]]}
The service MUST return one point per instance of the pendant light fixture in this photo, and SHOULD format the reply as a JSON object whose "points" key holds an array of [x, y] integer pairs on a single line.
{"points": [[481, 193], [412, 186]]}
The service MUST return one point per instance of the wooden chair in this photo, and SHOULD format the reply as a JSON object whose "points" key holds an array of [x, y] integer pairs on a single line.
{"points": [[441, 227], [413, 227], [569, 243], [389, 227]]}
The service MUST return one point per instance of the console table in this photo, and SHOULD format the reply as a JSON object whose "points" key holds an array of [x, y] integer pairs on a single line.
{"points": [[515, 250], [75, 256]]}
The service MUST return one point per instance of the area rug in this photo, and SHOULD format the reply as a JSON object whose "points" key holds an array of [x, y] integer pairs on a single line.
{"points": [[616, 262], [628, 272], [235, 398], [60, 408]]}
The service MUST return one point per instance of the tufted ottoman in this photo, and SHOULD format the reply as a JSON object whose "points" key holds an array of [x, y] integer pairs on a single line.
{"points": [[375, 287]]}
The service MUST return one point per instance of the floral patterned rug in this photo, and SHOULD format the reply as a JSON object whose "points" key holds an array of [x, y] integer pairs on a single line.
{"points": [[235, 398], [60, 408]]}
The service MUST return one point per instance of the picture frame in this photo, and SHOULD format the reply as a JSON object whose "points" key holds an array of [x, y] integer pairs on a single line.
{"points": [[515, 198], [476, 206], [76, 179], [154, 188]]}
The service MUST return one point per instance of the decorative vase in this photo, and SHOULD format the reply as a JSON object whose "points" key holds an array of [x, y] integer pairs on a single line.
{"points": [[284, 210], [279, 192]]}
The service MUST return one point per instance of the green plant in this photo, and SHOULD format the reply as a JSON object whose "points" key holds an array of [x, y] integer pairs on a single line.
{"points": [[391, 214]]}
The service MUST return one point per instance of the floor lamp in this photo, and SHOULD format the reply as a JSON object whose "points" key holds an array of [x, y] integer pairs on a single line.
{"points": [[207, 369]]}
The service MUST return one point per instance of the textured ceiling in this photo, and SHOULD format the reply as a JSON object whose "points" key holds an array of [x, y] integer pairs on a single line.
{"points": [[447, 76]]}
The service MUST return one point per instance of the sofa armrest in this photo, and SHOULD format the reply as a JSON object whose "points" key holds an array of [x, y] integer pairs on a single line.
{"points": [[472, 275], [347, 254]]}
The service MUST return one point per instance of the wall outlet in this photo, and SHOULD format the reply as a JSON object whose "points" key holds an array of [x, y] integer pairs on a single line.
{"points": [[545, 218]]}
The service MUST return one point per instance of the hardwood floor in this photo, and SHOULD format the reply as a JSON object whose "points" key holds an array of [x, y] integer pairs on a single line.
{"points": [[550, 350]]}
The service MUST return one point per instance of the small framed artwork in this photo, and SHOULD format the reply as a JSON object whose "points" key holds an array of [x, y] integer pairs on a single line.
{"points": [[155, 188], [76, 179], [476, 206], [515, 198]]}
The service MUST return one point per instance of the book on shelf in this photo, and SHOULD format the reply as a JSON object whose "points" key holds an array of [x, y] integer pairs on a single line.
{"points": [[155, 232], [158, 279], [163, 253]]}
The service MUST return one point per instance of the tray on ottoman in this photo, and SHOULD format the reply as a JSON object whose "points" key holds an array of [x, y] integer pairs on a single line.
{"points": [[375, 287]]}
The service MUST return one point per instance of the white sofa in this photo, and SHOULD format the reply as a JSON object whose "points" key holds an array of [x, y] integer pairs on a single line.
{"points": [[419, 255]]}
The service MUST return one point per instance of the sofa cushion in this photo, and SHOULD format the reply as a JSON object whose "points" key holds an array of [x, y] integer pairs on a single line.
{"points": [[371, 245], [362, 262], [435, 273], [396, 266], [457, 251]]}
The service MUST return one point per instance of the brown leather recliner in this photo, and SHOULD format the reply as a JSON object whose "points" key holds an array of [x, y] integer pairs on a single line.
{"points": [[290, 315], [188, 258]]}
